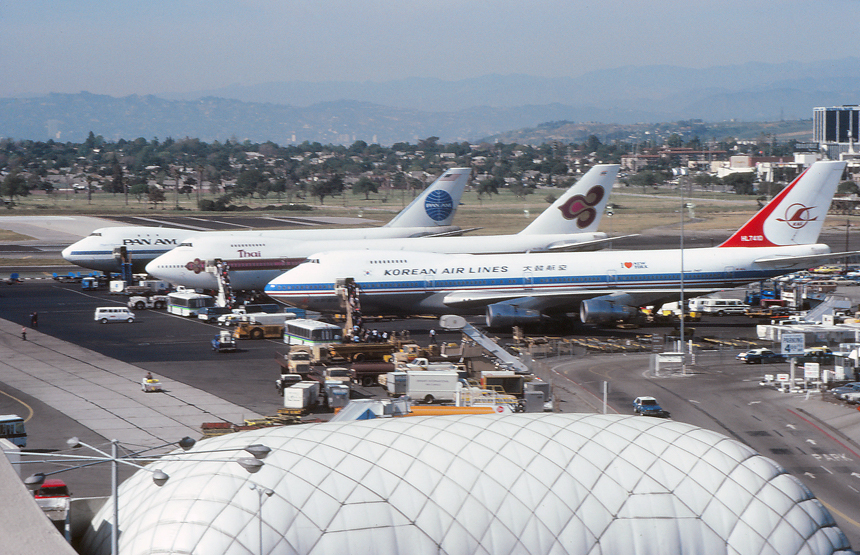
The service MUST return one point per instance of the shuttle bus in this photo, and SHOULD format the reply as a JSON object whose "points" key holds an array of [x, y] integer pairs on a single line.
{"points": [[188, 303], [311, 332], [12, 428]]}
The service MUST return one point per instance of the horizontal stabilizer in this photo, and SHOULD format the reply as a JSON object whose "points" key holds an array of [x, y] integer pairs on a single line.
{"points": [[788, 261], [562, 246]]}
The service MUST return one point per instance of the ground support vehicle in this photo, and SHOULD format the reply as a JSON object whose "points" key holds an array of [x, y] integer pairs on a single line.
{"points": [[299, 398], [760, 356], [424, 364], [142, 302], [247, 330], [336, 394], [360, 352], [427, 385], [369, 374], [150, 385], [821, 355], [224, 342], [285, 381], [648, 406]]}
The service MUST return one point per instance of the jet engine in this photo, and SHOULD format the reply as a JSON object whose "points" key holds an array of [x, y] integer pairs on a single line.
{"points": [[597, 311], [502, 315]]}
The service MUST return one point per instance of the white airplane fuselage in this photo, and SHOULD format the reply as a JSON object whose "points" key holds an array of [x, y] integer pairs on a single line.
{"points": [[254, 262], [145, 244], [393, 282]]}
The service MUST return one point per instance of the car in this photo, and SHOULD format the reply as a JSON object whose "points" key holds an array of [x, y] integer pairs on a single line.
{"points": [[851, 398], [648, 406], [821, 355], [840, 392], [760, 356]]}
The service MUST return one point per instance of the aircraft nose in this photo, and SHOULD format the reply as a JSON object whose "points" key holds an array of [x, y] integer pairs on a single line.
{"points": [[67, 253]]}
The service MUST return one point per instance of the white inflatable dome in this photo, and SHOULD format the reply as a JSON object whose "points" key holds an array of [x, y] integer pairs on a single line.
{"points": [[485, 484]]}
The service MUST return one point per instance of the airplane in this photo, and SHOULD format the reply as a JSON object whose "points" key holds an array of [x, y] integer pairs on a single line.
{"points": [[430, 213], [569, 223], [603, 286]]}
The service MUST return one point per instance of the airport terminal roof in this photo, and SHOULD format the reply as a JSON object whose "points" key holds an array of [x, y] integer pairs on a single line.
{"points": [[520, 483]]}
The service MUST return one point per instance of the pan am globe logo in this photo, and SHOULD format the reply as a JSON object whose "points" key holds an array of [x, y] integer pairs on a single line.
{"points": [[439, 205], [797, 215], [581, 208]]}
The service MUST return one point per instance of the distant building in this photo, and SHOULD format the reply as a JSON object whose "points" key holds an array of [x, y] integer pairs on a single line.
{"points": [[836, 129]]}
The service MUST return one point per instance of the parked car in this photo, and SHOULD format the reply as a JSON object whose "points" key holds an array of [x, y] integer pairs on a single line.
{"points": [[821, 355], [840, 391], [648, 406], [852, 398], [760, 356]]}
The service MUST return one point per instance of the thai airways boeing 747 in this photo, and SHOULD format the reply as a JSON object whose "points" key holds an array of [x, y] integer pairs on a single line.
{"points": [[569, 223]]}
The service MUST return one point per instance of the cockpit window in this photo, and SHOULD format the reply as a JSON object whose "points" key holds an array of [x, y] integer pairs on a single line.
{"points": [[187, 244], [95, 234]]}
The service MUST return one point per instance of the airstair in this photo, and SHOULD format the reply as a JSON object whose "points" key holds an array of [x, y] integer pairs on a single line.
{"points": [[827, 307], [221, 272], [505, 358]]}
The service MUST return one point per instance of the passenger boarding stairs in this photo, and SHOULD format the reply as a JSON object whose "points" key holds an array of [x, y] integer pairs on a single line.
{"points": [[505, 358], [225, 292], [827, 307]]}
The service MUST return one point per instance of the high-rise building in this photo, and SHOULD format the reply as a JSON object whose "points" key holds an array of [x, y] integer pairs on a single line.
{"points": [[836, 128]]}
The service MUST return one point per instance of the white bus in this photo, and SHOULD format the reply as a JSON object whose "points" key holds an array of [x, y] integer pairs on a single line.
{"points": [[311, 332], [12, 428], [188, 303]]}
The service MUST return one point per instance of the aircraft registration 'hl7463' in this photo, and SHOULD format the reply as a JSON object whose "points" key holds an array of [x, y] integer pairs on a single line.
{"points": [[570, 223], [603, 286], [431, 213]]}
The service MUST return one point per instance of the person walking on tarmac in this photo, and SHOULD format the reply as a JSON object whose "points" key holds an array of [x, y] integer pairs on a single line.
{"points": [[433, 336], [34, 320], [24, 334]]}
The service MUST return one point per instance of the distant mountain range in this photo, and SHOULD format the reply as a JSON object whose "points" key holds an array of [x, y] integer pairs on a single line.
{"points": [[466, 110]]}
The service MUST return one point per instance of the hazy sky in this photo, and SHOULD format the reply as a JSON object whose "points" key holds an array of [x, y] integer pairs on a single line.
{"points": [[121, 48]]}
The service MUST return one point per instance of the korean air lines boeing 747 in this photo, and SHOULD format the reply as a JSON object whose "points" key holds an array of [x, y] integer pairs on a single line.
{"points": [[601, 286]]}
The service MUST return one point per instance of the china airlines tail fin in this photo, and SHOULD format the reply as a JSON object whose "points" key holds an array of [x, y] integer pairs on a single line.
{"points": [[580, 209], [795, 216], [438, 203]]}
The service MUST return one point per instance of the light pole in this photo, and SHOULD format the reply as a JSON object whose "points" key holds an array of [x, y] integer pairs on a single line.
{"points": [[261, 491], [251, 464]]}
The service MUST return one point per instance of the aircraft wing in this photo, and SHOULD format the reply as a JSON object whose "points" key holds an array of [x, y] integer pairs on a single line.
{"points": [[540, 300], [562, 246], [787, 261], [453, 233]]}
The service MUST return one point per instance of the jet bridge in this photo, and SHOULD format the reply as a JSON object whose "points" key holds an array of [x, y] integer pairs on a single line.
{"points": [[452, 322]]}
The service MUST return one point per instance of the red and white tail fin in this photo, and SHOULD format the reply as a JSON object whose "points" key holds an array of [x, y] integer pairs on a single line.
{"points": [[796, 214], [580, 208]]}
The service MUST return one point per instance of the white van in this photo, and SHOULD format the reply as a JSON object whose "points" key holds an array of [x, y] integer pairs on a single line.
{"points": [[105, 314], [720, 307]]}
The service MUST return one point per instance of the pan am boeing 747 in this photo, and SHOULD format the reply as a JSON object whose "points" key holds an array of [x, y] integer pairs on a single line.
{"points": [[431, 213]]}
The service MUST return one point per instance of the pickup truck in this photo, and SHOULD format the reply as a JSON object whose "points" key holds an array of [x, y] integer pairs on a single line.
{"points": [[648, 406], [141, 302]]}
